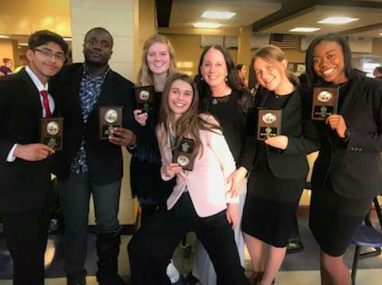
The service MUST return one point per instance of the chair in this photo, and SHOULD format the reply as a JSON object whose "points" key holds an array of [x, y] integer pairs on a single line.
{"points": [[367, 236]]}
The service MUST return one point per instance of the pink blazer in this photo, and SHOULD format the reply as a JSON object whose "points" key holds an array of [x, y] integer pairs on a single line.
{"points": [[206, 183]]}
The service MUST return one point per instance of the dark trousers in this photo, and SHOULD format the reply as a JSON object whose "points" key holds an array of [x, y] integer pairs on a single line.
{"points": [[75, 196], [152, 247], [26, 234]]}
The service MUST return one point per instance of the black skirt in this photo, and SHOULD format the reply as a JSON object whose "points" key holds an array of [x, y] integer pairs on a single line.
{"points": [[334, 219], [271, 205]]}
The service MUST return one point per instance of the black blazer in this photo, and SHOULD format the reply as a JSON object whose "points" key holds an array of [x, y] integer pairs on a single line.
{"points": [[104, 158], [354, 168], [24, 185], [302, 136]]}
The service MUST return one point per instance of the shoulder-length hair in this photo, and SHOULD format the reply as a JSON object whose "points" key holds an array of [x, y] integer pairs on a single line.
{"points": [[311, 76], [233, 80], [190, 123], [273, 53], [145, 75]]}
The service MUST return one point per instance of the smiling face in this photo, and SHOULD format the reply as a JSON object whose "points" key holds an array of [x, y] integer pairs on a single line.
{"points": [[214, 68], [42, 65], [328, 62], [180, 97], [158, 58], [270, 74], [97, 48]]}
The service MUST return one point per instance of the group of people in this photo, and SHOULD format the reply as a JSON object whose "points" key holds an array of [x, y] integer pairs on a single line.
{"points": [[239, 191]]}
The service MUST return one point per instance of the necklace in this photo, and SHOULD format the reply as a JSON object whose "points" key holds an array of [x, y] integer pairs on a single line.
{"points": [[215, 100]]}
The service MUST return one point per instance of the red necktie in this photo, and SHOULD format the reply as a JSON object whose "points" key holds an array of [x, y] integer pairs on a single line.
{"points": [[44, 95]]}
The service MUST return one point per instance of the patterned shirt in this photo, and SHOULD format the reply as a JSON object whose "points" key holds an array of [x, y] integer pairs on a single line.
{"points": [[90, 89]]}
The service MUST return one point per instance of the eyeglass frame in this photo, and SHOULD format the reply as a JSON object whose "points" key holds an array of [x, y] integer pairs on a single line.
{"points": [[48, 53]]}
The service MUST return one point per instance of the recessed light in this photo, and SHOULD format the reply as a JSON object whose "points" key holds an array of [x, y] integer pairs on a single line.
{"points": [[207, 25], [304, 29], [218, 15], [338, 20], [4, 37]]}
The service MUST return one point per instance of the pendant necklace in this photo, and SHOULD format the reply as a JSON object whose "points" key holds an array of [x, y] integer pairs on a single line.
{"points": [[215, 100]]}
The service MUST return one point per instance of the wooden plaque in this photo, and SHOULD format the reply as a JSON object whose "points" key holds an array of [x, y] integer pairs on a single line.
{"points": [[109, 117], [52, 132], [144, 96], [269, 124], [325, 102], [183, 154]]}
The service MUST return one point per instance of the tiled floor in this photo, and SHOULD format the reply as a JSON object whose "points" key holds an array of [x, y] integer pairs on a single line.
{"points": [[298, 269]]}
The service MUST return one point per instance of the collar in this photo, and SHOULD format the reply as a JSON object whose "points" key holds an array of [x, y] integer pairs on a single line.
{"points": [[35, 80], [85, 71]]}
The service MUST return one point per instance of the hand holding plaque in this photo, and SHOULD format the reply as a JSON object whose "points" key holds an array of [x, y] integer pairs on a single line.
{"points": [[144, 96], [183, 154], [269, 124], [109, 117], [325, 102], [51, 132]]}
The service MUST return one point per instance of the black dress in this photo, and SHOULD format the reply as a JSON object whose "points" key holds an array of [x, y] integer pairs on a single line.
{"points": [[272, 201]]}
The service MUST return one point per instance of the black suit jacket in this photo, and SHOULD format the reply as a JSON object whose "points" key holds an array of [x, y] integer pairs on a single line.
{"points": [[24, 185], [302, 136], [354, 168], [104, 158]]}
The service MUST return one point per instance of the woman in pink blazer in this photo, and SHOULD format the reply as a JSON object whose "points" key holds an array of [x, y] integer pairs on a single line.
{"points": [[199, 202]]}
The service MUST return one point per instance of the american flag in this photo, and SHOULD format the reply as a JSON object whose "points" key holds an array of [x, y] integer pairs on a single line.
{"points": [[285, 41]]}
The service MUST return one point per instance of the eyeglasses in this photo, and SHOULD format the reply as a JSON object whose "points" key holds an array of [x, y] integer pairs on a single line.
{"points": [[94, 42], [48, 54]]}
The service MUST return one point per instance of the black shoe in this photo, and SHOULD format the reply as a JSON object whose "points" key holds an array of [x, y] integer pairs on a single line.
{"points": [[294, 247]]}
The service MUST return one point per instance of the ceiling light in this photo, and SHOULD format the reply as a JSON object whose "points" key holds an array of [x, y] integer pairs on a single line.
{"points": [[4, 37], [304, 29], [338, 20], [68, 39], [218, 15], [207, 25], [380, 34], [23, 44]]}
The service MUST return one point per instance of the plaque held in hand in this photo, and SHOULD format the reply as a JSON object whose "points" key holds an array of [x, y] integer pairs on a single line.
{"points": [[325, 102], [144, 96], [183, 154], [109, 117], [269, 124], [51, 132]]}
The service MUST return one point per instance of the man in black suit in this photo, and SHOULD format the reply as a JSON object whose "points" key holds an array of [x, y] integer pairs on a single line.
{"points": [[89, 165], [24, 170]]}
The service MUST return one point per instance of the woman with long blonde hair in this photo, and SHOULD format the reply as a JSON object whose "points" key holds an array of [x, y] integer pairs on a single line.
{"points": [[158, 62]]}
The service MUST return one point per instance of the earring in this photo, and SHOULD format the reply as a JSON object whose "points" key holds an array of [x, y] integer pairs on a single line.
{"points": [[226, 79], [201, 78]]}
